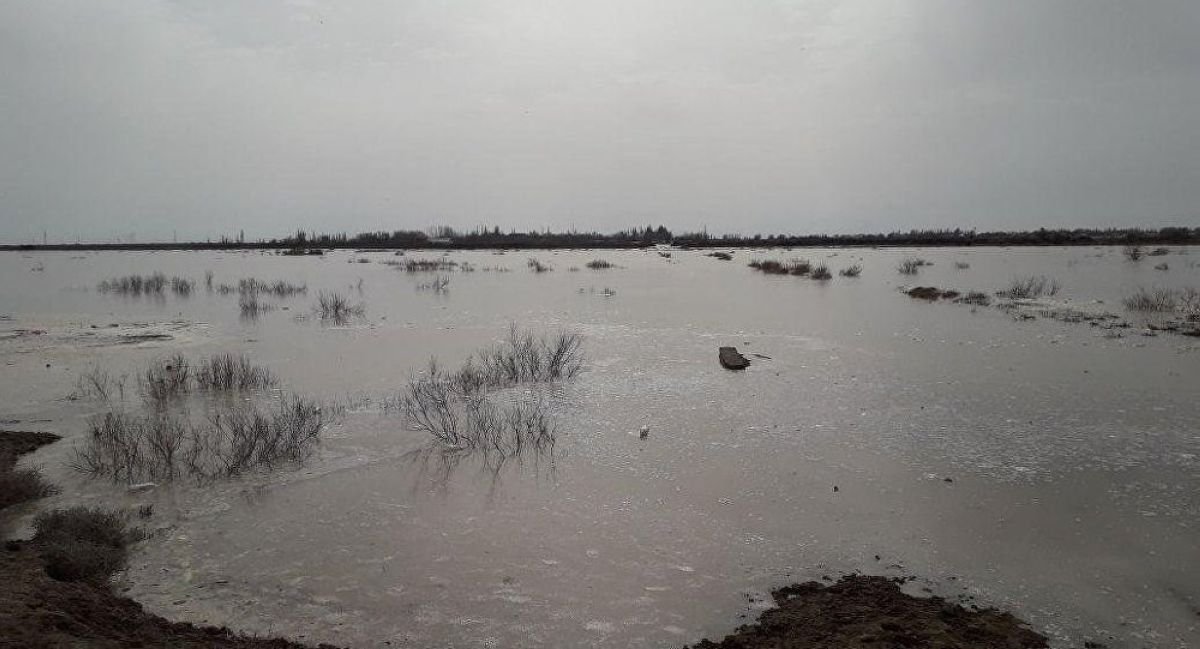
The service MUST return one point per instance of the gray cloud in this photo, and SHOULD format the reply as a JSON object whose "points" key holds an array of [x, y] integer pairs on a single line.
{"points": [[207, 117]]}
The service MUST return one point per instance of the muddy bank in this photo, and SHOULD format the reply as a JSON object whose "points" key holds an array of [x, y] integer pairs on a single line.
{"points": [[863, 611], [15, 443], [38, 611]]}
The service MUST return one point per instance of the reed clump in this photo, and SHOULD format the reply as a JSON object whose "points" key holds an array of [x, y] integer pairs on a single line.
{"points": [[537, 266], [599, 264]]}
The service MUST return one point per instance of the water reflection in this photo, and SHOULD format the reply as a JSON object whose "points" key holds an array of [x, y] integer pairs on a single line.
{"points": [[435, 465]]}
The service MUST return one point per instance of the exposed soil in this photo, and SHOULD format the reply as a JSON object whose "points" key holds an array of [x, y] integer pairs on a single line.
{"points": [[862, 611], [37, 611]]}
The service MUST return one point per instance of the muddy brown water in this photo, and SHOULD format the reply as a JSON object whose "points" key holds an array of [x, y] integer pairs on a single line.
{"points": [[1071, 451]]}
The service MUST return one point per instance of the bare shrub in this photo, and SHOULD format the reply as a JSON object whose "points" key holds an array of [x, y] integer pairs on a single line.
{"points": [[851, 271], [1134, 253], [337, 307], [1030, 287], [83, 544], [208, 281], [821, 272], [234, 439], [599, 264], [233, 372], [165, 379], [455, 409], [537, 266], [961, 265], [1160, 300], [98, 383]]}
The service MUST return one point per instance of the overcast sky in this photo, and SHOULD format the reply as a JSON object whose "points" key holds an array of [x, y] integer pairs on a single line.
{"points": [[208, 116]]}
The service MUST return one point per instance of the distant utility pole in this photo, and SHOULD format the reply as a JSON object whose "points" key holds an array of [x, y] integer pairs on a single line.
{"points": [[43, 237]]}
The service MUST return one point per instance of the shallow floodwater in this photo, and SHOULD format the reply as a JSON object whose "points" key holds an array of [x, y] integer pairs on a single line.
{"points": [[1045, 467]]}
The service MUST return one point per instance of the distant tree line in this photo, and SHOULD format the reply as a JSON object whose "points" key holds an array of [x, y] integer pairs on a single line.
{"points": [[443, 237]]}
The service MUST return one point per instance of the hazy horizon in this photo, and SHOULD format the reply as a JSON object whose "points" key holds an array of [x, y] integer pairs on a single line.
{"points": [[201, 119]]}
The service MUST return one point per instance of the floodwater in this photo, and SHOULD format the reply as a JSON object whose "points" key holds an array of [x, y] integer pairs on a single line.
{"points": [[1045, 467]]}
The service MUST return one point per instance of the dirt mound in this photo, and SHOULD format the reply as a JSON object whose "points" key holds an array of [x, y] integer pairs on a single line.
{"points": [[862, 611]]}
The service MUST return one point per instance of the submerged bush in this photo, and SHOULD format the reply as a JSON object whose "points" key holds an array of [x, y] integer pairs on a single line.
{"points": [[599, 264], [851, 271], [181, 286], [1030, 287], [439, 284], [337, 307], [821, 272], [911, 265], [774, 267], [423, 265], [455, 409], [165, 379], [135, 285], [234, 439], [976, 298], [83, 544], [1186, 300], [251, 307], [723, 256], [233, 372], [98, 383], [537, 266]]}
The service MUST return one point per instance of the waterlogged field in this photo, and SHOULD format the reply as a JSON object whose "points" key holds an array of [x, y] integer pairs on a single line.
{"points": [[1040, 455]]}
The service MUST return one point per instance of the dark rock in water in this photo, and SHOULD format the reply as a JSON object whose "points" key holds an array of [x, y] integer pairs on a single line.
{"points": [[731, 359]]}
